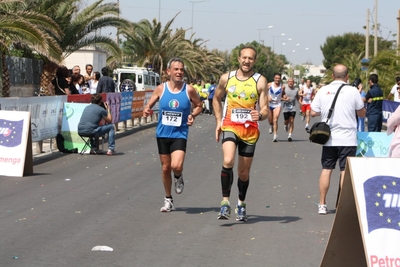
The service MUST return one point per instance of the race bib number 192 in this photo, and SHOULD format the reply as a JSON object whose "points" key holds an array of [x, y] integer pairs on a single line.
{"points": [[240, 115], [171, 118]]}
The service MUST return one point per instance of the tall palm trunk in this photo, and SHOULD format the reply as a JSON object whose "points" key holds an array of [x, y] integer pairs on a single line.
{"points": [[5, 77], [48, 74]]}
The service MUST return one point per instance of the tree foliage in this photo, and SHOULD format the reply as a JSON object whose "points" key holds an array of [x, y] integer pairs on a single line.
{"points": [[336, 48], [267, 62]]}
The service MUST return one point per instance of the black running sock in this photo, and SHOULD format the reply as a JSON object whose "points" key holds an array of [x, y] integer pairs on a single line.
{"points": [[177, 176], [226, 181], [242, 187]]}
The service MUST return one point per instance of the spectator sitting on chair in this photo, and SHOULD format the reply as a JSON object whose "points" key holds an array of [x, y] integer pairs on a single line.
{"points": [[90, 120]]}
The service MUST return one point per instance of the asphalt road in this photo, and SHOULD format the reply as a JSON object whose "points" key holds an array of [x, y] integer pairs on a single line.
{"points": [[73, 203]]}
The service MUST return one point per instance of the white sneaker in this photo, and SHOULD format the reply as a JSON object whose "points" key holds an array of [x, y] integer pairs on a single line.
{"points": [[322, 209], [302, 118], [286, 128], [168, 205], [179, 184], [271, 129]]}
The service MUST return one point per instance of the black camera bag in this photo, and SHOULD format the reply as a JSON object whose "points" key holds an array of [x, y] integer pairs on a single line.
{"points": [[320, 132]]}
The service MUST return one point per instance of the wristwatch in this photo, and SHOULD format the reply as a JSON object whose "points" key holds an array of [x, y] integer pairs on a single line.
{"points": [[260, 116]]}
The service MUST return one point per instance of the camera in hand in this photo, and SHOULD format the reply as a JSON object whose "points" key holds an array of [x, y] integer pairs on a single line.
{"points": [[102, 105], [356, 82]]}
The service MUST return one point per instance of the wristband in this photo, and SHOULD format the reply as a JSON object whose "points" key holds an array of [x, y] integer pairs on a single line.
{"points": [[260, 116], [193, 115]]}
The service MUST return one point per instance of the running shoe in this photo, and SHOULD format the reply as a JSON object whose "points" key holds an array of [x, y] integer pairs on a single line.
{"points": [[225, 212], [286, 128], [111, 152], [179, 184], [241, 212], [168, 205], [290, 139], [322, 209], [307, 130], [302, 118], [271, 129]]}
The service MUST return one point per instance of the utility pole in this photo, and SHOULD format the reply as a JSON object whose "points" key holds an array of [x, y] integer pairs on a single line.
{"points": [[367, 37], [376, 29], [398, 34]]}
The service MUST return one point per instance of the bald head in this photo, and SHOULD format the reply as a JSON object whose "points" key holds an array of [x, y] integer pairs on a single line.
{"points": [[340, 72]]}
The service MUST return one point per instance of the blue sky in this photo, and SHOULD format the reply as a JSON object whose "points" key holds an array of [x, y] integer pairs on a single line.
{"points": [[228, 23]]}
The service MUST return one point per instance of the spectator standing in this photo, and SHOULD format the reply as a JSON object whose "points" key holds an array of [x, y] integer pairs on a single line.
{"points": [[59, 85], [395, 91], [74, 85], [361, 121], [106, 83], [211, 91], [76, 69], [89, 73], [374, 98], [90, 120], [237, 126], [343, 140], [94, 82], [175, 99]]}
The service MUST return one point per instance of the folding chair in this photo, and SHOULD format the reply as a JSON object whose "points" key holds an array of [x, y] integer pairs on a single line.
{"points": [[86, 139]]}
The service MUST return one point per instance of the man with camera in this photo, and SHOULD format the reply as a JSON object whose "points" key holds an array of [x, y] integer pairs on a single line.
{"points": [[343, 125], [89, 123]]}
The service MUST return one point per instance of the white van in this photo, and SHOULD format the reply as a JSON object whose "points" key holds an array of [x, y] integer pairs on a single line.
{"points": [[135, 79]]}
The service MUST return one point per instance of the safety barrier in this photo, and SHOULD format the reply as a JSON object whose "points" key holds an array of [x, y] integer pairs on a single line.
{"points": [[47, 112]]}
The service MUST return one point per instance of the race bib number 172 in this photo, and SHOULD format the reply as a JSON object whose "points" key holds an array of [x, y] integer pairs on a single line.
{"points": [[171, 118]]}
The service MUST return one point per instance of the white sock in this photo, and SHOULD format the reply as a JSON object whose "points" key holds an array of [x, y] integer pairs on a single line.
{"points": [[290, 135], [306, 125]]}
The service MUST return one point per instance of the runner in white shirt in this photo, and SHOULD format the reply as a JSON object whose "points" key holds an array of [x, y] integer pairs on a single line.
{"points": [[307, 93], [276, 93]]}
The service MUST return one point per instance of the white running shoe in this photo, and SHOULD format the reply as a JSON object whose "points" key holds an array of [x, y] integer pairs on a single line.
{"points": [[286, 128], [322, 209], [168, 205], [271, 129]]}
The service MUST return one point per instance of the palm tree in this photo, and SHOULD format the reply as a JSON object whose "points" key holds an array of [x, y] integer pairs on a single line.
{"points": [[80, 28], [26, 28], [386, 63]]}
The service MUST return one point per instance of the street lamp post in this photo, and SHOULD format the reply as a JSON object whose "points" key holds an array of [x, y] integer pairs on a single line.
{"points": [[194, 2], [273, 41], [259, 33]]}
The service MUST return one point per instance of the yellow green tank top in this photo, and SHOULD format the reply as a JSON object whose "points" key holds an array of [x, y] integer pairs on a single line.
{"points": [[241, 98]]}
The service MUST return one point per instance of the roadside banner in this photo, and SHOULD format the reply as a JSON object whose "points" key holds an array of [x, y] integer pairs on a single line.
{"points": [[366, 228], [15, 144], [126, 106], [69, 129], [373, 144], [388, 107]]}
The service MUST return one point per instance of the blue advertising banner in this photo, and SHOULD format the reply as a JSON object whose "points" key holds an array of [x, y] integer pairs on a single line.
{"points": [[388, 107], [126, 106]]}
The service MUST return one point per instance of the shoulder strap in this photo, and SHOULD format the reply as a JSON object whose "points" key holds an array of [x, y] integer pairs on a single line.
{"points": [[334, 102], [62, 90]]}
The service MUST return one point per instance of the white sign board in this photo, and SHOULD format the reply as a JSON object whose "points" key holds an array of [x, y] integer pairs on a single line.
{"points": [[15, 143]]}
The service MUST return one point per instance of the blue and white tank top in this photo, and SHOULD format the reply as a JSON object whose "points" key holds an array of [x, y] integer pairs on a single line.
{"points": [[174, 109], [276, 96]]}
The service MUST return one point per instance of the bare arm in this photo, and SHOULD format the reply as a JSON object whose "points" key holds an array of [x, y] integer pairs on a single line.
{"points": [[108, 118], [217, 105], [198, 105], [262, 88]]}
